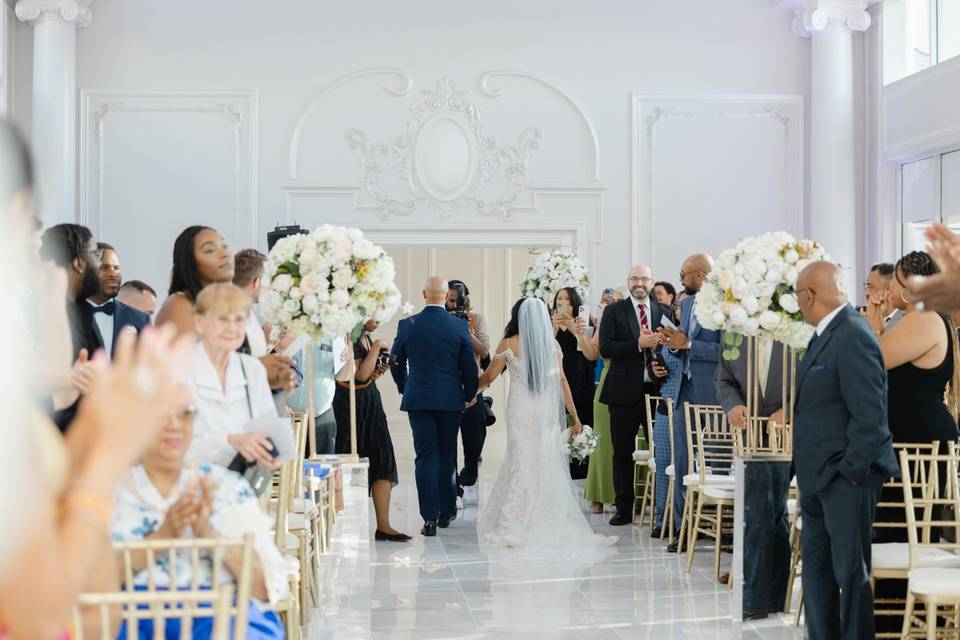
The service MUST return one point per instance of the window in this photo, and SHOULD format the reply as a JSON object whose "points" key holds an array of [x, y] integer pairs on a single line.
{"points": [[918, 34], [929, 192]]}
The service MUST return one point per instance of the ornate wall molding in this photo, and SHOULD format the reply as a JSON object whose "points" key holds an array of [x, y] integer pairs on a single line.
{"points": [[76, 11]]}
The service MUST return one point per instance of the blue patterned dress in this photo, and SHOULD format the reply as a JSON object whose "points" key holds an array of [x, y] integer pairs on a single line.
{"points": [[661, 432]]}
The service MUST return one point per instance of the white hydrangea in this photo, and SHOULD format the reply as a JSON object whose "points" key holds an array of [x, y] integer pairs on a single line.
{"points": [[282, 282], [553, 271]]}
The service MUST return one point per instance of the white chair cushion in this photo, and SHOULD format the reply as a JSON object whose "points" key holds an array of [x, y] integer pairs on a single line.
{"points": [[641, 454], [652, 464], [928, 581], [671, 471], [792, 507], [896, 555], [725, 482], [718, 493]]}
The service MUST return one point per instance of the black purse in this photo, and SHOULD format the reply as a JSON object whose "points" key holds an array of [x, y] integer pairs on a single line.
{"points": [[486, 408]]}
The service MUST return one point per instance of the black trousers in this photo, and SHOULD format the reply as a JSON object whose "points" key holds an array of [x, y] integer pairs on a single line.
{"points": [[625, 422], [766, 536], [326, 433], [837, 527], [473, 433]]}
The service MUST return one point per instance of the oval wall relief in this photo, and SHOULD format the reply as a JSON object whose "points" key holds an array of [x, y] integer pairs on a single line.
{"points": [[445, 157]]}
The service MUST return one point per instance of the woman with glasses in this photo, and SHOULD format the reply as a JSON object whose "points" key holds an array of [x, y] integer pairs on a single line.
{"points": [[231, 388]]}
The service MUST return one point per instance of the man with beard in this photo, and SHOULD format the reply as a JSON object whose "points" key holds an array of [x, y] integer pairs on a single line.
{"points": [[628, 335], [110, 315], [699, 352], [72, 247]]}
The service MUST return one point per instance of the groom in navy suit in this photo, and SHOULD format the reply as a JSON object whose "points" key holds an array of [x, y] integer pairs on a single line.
{"points": [[110, 316], [436, 374]]}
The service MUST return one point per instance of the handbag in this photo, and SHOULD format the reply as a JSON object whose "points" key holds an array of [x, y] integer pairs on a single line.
{"points": [[486, 408]]}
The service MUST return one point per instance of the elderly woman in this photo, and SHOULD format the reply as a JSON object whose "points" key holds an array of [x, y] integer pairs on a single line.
{"points": [[165, 498], [231, 388]]}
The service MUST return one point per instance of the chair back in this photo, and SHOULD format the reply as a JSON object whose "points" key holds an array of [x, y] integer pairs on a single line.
{"points": [[930, 510], [918, 472], [148, 557], [651, 403], [711, 441]]}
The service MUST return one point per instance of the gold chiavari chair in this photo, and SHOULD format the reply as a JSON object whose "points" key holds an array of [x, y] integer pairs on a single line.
{"points": [[713, 452], [891, 560], [650, 487], [289, 609], [929, 512], [641, 470], [669, 520], [145, 557], [157, 607]]}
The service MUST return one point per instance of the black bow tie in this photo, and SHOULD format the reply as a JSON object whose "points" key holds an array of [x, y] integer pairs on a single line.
{"points": [[106, 308]]}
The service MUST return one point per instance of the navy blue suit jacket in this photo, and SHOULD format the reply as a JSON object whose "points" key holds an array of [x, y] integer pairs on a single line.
{"points": [[435, 369], [126, 316], [700, 360], [840, 422]]}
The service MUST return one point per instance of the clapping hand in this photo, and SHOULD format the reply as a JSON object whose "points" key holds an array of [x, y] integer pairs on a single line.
{"points": [[648, 339], [940, 292], [254, 447], [280, 372], [874, 312], [673, 338], [738, 417]]}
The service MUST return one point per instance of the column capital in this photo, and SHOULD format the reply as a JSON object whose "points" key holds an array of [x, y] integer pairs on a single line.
{"points": [[812, 16], [75, 11]]}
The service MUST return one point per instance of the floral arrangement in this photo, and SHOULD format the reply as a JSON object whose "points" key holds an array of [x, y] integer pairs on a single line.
{"points": [[752, 291], [581, 445], [553, 271], [328, 283]]}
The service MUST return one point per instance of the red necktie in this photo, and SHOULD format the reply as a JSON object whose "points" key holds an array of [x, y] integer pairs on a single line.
{"points": [[644, 323]]}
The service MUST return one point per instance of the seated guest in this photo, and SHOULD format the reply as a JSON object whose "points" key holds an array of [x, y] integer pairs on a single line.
{"points": [[163, 498], [201, 257], [109, 315], [140, 296], [247, 274], [231, 388]]}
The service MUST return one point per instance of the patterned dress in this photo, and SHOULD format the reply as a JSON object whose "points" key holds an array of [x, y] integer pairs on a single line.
{"points": [[661, 432]]}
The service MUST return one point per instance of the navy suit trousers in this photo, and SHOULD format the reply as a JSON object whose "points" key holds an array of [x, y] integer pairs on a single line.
{"points": [[435, 443]]}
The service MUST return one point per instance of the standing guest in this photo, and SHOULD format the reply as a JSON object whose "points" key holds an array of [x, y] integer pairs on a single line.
{"points": [[664, 293], [598, 489], [940, 292], [201, 257], [441, 382], [699, 352], [669, 387], [627, 338], [572, 334], [767, 566], [876, 292], [110, 316], [248, 267], [843, 454], [140, 296], [373, 433], [324, 388], [231, 388], [473, 426], [920, 353]]}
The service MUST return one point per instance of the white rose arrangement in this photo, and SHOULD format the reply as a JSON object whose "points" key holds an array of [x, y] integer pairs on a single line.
{"points": [[553, 271], [752, 291], [580, 446], [328, 283]]}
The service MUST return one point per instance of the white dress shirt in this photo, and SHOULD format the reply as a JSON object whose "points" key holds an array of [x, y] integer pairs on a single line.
{"points": [[104, 323], [256, 338], [636, 310], [827, 319], [222, 412]]}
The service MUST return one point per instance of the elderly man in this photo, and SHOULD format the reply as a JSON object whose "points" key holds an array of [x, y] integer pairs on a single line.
{"points": [[843, 454]]}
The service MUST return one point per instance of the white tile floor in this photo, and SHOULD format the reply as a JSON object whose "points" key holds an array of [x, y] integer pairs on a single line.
{"points": [[446, 587]]}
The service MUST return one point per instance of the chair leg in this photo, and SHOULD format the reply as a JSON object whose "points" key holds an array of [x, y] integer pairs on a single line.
{"points": [[643, 505], [717, 529], [668, 512], [931, 618], [796, 620], [693, 541], [691, 503], [684, 532], [652, 485], [794, 563]]}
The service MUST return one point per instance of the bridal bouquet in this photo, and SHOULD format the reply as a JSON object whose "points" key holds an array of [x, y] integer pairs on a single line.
{"points": [[752, 291], [328, 283], [553, 271], [581, 445]]}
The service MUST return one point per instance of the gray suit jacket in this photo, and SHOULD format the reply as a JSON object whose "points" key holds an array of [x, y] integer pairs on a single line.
{"points": [[731, 382]]}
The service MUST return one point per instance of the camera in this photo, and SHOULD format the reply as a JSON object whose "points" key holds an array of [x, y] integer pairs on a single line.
{"points": [[461, 310], [385, 359]]}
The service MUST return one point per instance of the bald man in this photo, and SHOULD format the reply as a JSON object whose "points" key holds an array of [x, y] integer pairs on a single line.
{"points": [[699, 353], [842, 453], [436, 374]]}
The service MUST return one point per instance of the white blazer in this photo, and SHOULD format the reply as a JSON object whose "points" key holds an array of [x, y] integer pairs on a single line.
{"points": [[223, 412]]}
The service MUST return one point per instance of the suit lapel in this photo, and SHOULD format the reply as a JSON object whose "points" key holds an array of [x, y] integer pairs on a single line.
{"points": [[775, 371], [632, 318], [817, 347], [117, 321]]}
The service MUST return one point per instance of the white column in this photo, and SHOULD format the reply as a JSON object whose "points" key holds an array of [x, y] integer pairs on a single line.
{"points": [[54, 113], [833, 218]]}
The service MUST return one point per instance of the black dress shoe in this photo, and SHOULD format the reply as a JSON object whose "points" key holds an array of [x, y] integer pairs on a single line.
{"points": [[754, 614], [445, 521], [673, 548], [429, 529], [391, 537], [656, 532], [620, 519]]}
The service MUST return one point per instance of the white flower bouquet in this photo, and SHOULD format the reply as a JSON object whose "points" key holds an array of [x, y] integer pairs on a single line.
{"points": [[581, 445], [328, 283], [752, 291], [553, 271]]}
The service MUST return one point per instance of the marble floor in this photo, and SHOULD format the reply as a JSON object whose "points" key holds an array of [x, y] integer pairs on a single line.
{"points": [[447, 587]]}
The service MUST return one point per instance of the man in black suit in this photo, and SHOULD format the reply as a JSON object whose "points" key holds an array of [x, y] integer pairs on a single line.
{"points": [[628, 334], [843, 454], [110, 315]]}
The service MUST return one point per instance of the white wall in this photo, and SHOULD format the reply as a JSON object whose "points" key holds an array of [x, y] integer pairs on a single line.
{"points": [[593, 56]]}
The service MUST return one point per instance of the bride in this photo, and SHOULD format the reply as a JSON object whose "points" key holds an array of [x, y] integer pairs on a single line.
{"points": [[533, 503]]}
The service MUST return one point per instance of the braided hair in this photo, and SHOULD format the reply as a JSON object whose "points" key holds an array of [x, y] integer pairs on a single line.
{"points": [[64, 243], [918, 263], [185, 275]]}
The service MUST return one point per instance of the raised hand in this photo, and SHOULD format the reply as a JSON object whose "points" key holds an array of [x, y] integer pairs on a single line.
{"points": [[939, 292], [254, 447]]}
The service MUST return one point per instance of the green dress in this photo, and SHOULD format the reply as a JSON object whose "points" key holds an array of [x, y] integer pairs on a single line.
{"points": [[599, 486]]}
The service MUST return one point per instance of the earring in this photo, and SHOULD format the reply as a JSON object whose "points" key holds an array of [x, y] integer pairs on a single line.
{"points": [[903, 296]]}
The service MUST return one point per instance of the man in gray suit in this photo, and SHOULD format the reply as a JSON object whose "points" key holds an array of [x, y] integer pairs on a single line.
{"points": [[843, 454], [767, 536]]}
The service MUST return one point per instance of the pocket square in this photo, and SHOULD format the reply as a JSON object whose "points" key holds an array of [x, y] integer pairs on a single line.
{"points": [[817, 368]]}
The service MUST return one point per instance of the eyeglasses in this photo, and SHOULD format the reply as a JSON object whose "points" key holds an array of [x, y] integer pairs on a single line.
{"points": [[640, 279]]}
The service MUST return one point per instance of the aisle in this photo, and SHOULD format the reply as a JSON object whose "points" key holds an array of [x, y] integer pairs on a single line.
{"points": [[446, 587]]}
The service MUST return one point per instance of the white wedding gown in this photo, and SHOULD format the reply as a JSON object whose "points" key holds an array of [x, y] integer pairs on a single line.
{"points": [[534, 505]]}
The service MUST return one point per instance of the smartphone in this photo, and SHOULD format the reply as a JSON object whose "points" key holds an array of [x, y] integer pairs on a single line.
{"points": [[562, 307], [583, 312]]}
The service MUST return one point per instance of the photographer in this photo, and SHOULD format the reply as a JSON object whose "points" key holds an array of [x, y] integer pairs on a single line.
{"points": [[473, 424], [370, 359]]}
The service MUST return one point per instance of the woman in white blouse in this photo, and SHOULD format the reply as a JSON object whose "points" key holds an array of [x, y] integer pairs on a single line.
{"points": [[230, 388]]}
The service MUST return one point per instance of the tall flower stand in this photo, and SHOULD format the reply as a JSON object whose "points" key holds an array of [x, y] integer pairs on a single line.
{"points": [[760, 449], [348, 458]]}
